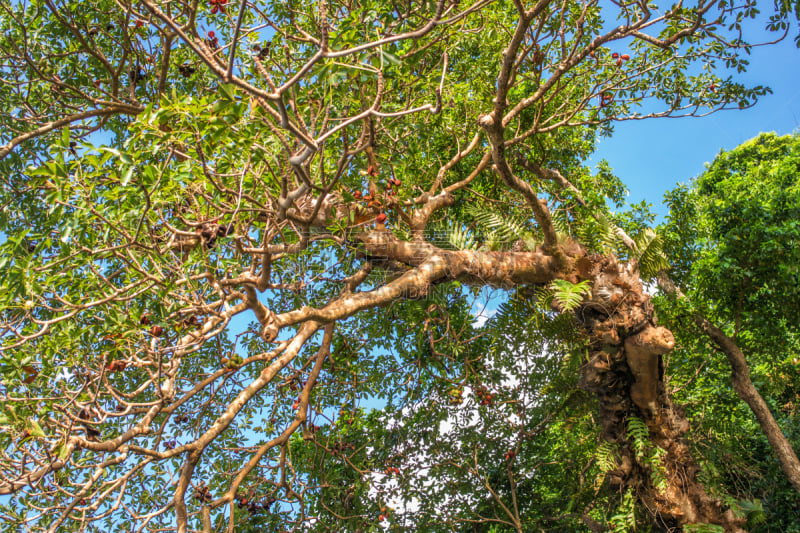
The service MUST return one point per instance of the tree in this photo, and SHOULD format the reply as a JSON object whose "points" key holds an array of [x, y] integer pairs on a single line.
{"points": [[344, 176], [732, 235]]}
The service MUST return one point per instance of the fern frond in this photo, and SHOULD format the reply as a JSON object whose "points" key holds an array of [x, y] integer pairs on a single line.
{"points": [[560, 223], [648, 453], [504, 228], [494, 241], [650, 253], [455, 236], [606, 456], [607, 235], [754, 511], [625, 518], [570, 295]]}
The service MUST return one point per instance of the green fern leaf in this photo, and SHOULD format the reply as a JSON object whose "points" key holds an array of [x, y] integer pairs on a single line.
{"points": [[453, 235], [503, 228], [650, 254], [570, 295], [606, 456]]}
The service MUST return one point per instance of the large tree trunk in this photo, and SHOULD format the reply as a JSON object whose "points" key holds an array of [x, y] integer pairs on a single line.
{"points": [[625, 371]]}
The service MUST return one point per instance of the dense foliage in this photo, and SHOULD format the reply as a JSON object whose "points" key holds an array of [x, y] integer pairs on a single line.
{"points": [[733, 236]]}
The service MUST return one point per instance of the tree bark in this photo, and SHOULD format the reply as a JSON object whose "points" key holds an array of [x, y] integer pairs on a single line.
{"points": [[625, 371]]}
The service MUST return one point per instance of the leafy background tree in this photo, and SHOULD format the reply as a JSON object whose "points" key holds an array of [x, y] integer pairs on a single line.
{"points": [[231, 228], [733, 235]]}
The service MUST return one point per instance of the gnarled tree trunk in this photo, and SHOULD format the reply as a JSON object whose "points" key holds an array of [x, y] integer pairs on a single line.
{"points": [[625, 370]]}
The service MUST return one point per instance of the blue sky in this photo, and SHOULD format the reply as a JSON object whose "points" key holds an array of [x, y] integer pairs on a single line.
{"points": [[651, 156]]}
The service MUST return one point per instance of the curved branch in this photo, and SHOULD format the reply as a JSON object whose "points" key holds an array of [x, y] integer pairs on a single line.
{"points": [[56, 124]]}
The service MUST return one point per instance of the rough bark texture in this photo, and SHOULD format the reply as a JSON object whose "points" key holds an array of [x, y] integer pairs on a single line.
{"points": [[625, 371]]}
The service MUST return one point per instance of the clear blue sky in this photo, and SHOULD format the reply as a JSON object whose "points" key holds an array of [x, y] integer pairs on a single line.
{"points": [[651, 156]]}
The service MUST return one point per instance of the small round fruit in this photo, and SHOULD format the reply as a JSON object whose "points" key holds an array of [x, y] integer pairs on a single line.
{"points": [[381, 218]]}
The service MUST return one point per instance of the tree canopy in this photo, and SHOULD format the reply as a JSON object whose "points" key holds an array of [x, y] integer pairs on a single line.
{"points": [[247, 248], [732, 238]]}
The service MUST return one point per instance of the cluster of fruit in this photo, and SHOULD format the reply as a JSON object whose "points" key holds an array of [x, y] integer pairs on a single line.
{"points": [[456, 396], [212, 40], [372, 199], [233, 362], [251, 502], [340, 447], [620, 58], [392, 470], [116, 366], [202, 494], [485, 397], [217, 6], [156, 330]]}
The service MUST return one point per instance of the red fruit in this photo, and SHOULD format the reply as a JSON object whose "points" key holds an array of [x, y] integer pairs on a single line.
{"points": [[145, 320], [117, 366], [139, 23], [156, 330], [357, 195], [211, 34], [619, 62], [381, 518], [592, 53], [296, 404], [396, 182], [713, 87], [614, 55], [381, 218], [625, 57]]}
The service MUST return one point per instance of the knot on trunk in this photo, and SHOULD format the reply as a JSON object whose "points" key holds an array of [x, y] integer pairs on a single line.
{"points": [[642, 352]]}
